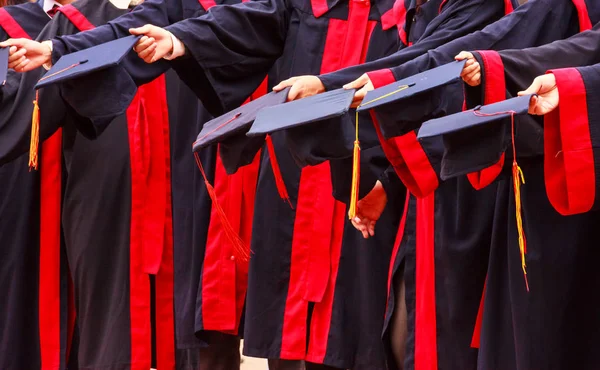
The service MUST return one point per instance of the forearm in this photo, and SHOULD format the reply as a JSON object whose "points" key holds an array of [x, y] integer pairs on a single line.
{"points": [[157, 12]]}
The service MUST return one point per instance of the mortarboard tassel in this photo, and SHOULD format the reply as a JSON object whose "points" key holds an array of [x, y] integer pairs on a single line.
{"points": [[34, 143], [281, 188], [239, 247], [518, 179], [35, 135], [352, 209]]}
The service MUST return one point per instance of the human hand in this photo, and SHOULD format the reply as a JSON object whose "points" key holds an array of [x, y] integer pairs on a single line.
{"points": [[363, 84], [155, 43], [547, 98], [26, 55], [369, 210], [471, 73], [301, 87]]}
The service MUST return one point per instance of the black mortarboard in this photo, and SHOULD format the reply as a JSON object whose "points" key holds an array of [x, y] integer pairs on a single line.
{"points": [[89, 60], [317, 108], [400, 106], [230, 131], [316, 128], [3, 64], [477, 138], [237, 121], [79, 64]]}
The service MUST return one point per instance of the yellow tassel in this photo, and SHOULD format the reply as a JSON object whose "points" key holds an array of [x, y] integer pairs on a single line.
{"points": [[355, 175], [35, 135], [518, 179]]}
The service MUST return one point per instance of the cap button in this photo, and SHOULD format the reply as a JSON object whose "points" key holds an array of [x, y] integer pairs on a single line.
{"points": [[232, 258]]}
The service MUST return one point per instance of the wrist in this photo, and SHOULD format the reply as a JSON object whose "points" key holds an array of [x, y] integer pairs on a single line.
{"points": [[47, 54]]}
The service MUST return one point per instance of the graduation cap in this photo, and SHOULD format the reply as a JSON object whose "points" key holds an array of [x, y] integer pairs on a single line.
{"points": [[411, 96], [303, 112], [72, 66], [238, 121], [485, 130], [3, 64], [479, 116], [87, 61]]}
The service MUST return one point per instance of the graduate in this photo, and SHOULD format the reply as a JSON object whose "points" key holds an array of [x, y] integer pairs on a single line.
{"points": [[37, 326], [446, 331], [559, 191], [116, 215], [518, 28]]}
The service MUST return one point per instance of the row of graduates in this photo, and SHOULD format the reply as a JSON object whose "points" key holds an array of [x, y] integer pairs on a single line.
{"points": [[124, 213]]}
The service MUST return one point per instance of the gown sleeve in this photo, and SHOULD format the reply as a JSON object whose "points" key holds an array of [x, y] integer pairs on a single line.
{"points": [[230, 49], [160, 13], [572, 142], [459, 19]]}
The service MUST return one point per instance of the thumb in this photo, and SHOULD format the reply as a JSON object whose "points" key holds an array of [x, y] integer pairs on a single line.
{"points": [[533, 89], [294, 93], [285, 83], [358, 83], [464, 55], [144, 30], [13, 42]]}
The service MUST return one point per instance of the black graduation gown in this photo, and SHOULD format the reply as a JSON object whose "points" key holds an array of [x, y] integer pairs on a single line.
{"points": [[295, 38], [33, 272], [210, 287], [119, 243], [547, 326], [418, 165]]}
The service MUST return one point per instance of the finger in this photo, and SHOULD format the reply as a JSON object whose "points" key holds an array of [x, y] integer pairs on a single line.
{"points": [[372, 228], [474, 81], [358, 97], [21, 66], [12, 42], [285, 83], [148, 51], [470, 69], [532, 103], [472, 74], [142, 45], [464, 55], [294, 93], [358, 83], [141, 30], [361, 228], [151, 58], [17, 56], [15, 64], [534, 88]]}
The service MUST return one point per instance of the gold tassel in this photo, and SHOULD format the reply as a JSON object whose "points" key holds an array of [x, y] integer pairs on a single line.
{"points": [[355, 175], [518, 179], [353, 208], [35, 135]]}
